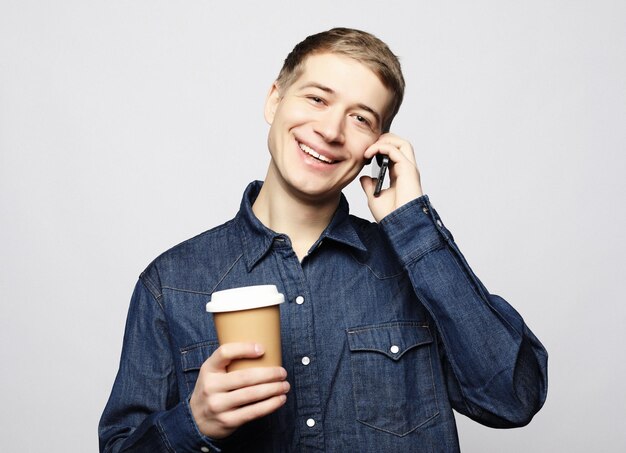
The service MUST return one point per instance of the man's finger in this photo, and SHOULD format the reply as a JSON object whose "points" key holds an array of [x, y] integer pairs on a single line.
{"points": [[226, 353], [251, 412], [256, 393], [254, 376], [390, 140]]}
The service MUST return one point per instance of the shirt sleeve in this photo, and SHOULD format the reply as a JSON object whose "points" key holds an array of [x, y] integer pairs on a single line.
{"points": [[144, 412], [495, 367]]}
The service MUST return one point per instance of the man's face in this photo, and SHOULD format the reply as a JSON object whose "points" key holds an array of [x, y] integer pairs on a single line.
{"points": [[322, 124]]}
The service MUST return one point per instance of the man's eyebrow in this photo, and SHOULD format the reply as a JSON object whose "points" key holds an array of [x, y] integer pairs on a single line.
{"points": [[331, 91], [319, 86]]}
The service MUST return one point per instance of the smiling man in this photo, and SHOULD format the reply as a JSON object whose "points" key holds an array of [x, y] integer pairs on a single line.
{"points": [[385, 328]]}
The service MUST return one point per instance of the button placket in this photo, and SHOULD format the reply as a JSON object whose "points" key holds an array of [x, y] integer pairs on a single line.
{"points": [[305, 373], [302, 344]]}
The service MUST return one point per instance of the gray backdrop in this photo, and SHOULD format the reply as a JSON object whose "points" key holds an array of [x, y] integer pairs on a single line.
{"points": [[127, 127]]}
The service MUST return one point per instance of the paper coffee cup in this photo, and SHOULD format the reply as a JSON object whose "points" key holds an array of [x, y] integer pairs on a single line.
{"points": [[249, 314]]}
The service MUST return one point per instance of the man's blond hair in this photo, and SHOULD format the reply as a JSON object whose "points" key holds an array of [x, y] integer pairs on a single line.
{"points": [[359, 45]]}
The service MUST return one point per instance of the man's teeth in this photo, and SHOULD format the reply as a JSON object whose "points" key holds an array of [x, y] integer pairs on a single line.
{"points": [[311, 152]]}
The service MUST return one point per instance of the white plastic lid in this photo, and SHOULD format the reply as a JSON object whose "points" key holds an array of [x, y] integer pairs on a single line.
{"points": [[244, 298]]}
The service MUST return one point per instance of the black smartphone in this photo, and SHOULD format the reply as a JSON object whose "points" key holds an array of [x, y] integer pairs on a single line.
{"points": [[383, 163]]}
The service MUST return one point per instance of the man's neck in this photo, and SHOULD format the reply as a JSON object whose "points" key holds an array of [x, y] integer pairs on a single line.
{"points": [[283, 212]]}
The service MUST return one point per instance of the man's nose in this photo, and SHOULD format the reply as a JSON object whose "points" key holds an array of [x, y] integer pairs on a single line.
{"points": [[331, 126]]}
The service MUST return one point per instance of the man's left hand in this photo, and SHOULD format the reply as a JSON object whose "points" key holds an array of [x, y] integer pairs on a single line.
{"points": [[404, 176]]}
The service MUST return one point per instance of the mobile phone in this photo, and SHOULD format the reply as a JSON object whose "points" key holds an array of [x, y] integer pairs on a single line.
{"points": [[383, 163]]}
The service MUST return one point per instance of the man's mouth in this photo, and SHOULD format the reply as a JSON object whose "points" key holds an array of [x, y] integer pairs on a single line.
{"points": [[311, 152]]}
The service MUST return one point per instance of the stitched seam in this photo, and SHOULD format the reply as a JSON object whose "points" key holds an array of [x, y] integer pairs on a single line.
{"points": [[150, 285], [190, 291], [419, 254], [392, 357], [432, 378], [226, 273], [191, 347], [164, 438], [379, 277], [397, 434], [391, 324], [157, 299]]}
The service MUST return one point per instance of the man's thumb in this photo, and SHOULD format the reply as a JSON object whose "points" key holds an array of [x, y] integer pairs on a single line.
{"points": [[368, 184]]}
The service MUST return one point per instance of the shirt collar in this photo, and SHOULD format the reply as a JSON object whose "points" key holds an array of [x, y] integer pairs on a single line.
{"points": [[257, 239]]}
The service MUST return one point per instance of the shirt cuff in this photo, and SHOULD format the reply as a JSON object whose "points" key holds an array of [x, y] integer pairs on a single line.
{"points": [[182, 433], [415, 229]]}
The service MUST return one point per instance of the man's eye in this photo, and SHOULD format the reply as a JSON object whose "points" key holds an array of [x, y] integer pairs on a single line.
{"points": [[362, 120]]}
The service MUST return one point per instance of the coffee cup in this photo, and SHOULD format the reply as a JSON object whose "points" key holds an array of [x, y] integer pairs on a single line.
{"points": [[249, 314]]}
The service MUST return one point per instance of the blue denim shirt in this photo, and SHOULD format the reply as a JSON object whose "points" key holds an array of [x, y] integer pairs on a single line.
{"points": [[385, 330]]}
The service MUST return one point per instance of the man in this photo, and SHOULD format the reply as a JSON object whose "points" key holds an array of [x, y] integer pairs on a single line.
{"points": [[385, 328]]}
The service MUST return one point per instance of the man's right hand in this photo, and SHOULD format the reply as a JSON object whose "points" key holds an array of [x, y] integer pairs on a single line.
{"points": [[221, 401]]}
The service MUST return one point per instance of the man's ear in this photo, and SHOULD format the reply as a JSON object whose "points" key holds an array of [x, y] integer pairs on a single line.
{"points": [[271, 103]]}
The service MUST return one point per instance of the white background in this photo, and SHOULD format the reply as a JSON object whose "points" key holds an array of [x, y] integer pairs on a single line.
{"points": [[127, 127]]}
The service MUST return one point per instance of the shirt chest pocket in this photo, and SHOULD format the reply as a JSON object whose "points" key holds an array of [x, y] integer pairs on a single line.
{"points": [[392, 376], [192, 358]]}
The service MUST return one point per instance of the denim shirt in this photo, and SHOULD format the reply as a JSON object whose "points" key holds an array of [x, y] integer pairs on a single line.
{"points": [[385, 329]]}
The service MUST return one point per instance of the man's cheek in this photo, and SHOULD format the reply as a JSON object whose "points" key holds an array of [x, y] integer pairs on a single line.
{"points": [[370, 143]]}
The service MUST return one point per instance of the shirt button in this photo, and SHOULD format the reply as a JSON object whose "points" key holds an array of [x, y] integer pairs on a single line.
{"points": [[299, 300], [439, 223], [310, 423], [204, 449], [425, 210], [394, 349], [305, 360]]}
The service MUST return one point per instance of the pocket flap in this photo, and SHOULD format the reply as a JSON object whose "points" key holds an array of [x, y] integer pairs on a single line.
{"points": [[392, 339], [193, 356]]}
